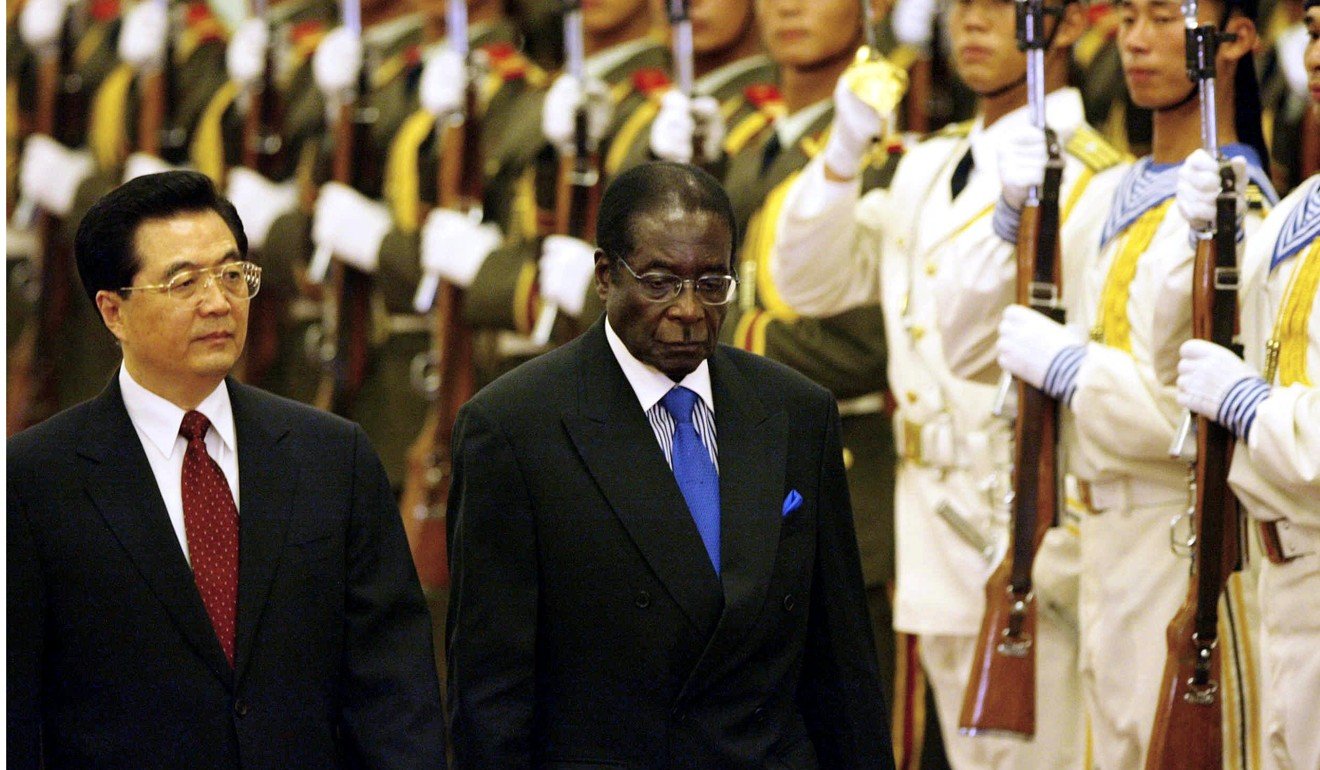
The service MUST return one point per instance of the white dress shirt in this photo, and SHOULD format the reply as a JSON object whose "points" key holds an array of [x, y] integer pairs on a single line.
{"points": [[651, 385], [157, 422]]}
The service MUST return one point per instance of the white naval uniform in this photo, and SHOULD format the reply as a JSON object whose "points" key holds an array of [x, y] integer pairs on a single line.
{"points": [[834, 252], [1125, 416], [1276, 473]]}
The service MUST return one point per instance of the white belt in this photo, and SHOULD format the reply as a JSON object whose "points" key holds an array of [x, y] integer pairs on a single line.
{"points": [[936, 444], [871, 403], [1284, 541], [1126, 494]]}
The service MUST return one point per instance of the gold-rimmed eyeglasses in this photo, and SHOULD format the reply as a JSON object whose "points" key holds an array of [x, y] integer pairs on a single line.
{"points": [[714, 289], [237, 280]]}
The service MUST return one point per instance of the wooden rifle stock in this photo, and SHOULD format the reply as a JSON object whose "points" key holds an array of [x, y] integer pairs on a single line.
{"points": [[1001, 692], [33, 395], [452, 380], [263, 152], [1186, 734], [346, 310]]}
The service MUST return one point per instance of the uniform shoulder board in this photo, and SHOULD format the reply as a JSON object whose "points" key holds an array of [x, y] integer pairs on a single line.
{"points": [[307, 33], [765, 97], [509, 64], [1093, 150], [650, 81], [953, 130], [104, 10], [202, 24]]}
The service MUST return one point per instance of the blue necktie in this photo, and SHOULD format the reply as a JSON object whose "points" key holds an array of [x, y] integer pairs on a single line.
{"points": [[695, 472]]}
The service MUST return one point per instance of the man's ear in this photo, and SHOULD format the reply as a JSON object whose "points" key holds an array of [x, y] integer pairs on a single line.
{"points": [[111, 307], [603, 277], [1072, 25]]}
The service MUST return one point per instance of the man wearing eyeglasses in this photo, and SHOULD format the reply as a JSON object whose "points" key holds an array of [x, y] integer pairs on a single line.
{"points": [[202, 574], [651, 541]]}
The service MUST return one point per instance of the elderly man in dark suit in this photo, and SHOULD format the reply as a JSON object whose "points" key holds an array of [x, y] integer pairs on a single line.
{"points": [[202, 575], [650, 535]]}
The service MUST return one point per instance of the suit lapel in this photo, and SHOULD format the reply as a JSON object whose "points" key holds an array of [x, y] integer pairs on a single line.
{"points": [[616, 443], [267, 477], [753, 445], [123, 487]]}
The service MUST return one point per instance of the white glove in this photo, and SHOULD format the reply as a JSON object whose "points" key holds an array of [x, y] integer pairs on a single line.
{"points": [[336, 63], [1290, 50], [454, 246], [259, 202], [1028, 343], [142, 36], [674, 125], [141, 164], [913, 22], [443, 78], [561, 103], [49, 173], [40, 21], [245, 58], [1206, 372], [856, 125], [351, 225], [1198, 186], [1022, 158], [566, 267]]}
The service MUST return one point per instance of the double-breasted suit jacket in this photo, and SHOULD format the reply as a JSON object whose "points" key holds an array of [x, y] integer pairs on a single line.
{"points": [[587, 626], [113, 662]]}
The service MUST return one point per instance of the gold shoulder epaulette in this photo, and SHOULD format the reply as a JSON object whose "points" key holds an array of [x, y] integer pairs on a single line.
{"points": [[1093, 150], [952, 130]]}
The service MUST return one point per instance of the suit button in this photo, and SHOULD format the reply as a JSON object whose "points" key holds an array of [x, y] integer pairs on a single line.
{"points": [[241, 708], [642, 600], [789, 602], [758, 714]]}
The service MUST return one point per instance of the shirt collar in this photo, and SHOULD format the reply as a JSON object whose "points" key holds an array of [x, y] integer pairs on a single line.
{"points": [[790, 128], [651, 384], [1064, 111], [602, 63], [159, 420], [712, 81]]}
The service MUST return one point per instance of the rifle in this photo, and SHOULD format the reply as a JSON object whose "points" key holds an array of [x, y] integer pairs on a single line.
{"points": [[156, 132], [445, 374], [33, 395], [346, 308], [1188, 718], [577, 195], [680, 23], [263, 152], [1001, 692]]}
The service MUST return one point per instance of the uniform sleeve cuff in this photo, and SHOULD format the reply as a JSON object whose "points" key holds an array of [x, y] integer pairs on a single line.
{"points": [[1237, 412], [1007, 221], [1061, 378]]}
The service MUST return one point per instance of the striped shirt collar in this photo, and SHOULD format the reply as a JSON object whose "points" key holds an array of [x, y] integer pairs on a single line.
{"points": [[1300, 228], [649, 383]]}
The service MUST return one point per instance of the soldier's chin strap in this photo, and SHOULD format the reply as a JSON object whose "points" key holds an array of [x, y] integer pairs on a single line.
{"points": [[1194, 89]]}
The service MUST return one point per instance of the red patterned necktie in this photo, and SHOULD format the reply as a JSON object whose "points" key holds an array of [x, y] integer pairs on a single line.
{"points": [[210, 520]]}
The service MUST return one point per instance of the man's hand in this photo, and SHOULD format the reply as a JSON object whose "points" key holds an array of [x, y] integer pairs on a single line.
{"points": [[566, 267], [49, 173], [676, 123], [245, 57], [39, 22], [142, 35], [856, 126], [337, 62], [454, 246], [1022, 158], [351, 225], [1031, 347], [259, 202], [561, 104], [443, 80], [1198, 187], [1214, 383]]}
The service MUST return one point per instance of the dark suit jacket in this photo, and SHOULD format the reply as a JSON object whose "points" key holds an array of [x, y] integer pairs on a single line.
{"points": [[587, 627], [113, 662]]}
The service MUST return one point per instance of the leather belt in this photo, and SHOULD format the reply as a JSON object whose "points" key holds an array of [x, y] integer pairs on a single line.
{"points": [[1283, 541], [1126, 494]]}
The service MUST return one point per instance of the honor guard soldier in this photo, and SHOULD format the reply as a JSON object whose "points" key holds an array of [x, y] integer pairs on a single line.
{"points": [[1270, 401], [928, 248], [1125, 416]]}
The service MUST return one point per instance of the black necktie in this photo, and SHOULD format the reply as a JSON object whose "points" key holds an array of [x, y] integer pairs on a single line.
{"points": [[770, 152], [960, 173]]}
